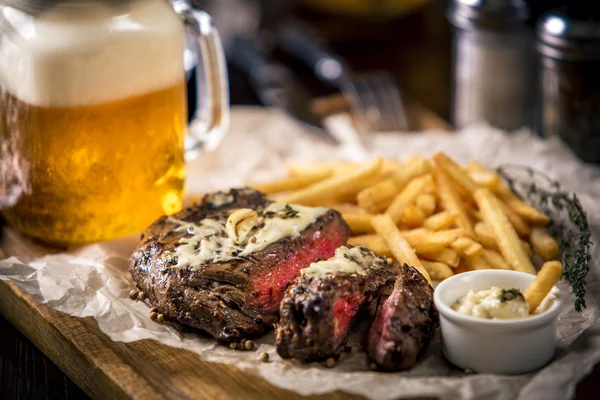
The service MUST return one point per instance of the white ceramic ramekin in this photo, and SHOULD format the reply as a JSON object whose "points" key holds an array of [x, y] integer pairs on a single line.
{"points": [[495, 346]]}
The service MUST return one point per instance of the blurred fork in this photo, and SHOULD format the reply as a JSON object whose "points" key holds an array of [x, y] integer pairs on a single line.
{"points": [[374, 98]]}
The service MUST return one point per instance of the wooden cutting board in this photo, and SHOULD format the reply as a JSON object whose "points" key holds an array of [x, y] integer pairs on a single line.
{"points": [[145, 369], [140, 370]]}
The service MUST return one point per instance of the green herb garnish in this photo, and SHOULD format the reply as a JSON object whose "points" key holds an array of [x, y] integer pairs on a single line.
{"points": [[510, 294], [289, 212], [569, 225]]}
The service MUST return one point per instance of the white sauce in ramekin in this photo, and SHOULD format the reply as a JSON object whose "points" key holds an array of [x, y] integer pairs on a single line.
{"points": [[497, 303], [493, 303]]}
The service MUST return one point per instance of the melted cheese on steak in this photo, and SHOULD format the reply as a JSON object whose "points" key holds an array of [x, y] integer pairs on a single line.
{"points": [[346, 260], [209, 242]]}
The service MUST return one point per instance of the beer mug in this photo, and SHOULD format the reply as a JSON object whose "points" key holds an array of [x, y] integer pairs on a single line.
{"points": [[93, 113]]}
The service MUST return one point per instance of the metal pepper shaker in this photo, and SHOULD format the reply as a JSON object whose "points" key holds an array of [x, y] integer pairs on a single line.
{"points": [[568, 41], [493, 63]]}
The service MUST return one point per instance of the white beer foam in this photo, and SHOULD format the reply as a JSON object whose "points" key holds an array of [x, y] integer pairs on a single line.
{"points": [[78, 55]]}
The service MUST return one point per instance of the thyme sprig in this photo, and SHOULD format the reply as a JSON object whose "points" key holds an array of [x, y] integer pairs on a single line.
{"points": [[569, 224]]}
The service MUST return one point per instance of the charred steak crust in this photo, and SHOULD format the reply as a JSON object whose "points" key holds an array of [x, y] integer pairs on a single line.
{"points": [[232, 299], [316, 314], [404, 324]]}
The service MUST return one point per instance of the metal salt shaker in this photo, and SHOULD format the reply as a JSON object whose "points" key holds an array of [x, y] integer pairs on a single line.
{"points": [[568, 42], [493, 63]]}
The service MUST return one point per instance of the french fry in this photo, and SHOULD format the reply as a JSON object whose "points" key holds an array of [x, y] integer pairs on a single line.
{"points": [[359, 223], [376, 198], [431, 241], [485, 235], [520, 208], [489, 179], [346, 208], [454, 171], [507, 238], [549, 275], [517, 222], [451, 201], [527, 249], [406, 197], [527, 212], [412, 216], [544, 244], [486, 179], [426, 202], [336, 185], [475, 166], [467, 246], [437, 270], [400, 248], [294, 182], [349, 194], [441, 220], [475, 263], [473, 213], [421, 240], [462, 192], [430, 189], [447, 256], [373, 242], [495, 259], [391, 167], [415, 167]]}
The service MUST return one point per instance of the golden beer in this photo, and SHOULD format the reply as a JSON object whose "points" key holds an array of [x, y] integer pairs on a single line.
{"points": [[93, 115], [96, 172]]}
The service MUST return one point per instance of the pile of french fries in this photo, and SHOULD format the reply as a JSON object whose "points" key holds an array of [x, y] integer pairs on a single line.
{"points": [[434, 214]]}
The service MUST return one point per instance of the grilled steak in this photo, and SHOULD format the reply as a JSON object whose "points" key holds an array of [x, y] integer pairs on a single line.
{"points": [[317, 312], [404, 324], [223, 265]]}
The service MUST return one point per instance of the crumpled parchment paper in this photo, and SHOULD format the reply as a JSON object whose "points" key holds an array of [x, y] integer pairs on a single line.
{"points": [[94, 281]]}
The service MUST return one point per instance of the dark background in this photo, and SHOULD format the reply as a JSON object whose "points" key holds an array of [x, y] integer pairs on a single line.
{"points": [[415, 49]]}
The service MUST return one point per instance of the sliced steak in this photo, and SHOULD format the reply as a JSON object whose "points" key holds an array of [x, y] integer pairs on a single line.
{"points": [[317, 312], [236, 293], [404, 324]]}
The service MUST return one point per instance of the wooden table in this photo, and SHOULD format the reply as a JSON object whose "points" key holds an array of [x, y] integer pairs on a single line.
{"points": [[417, 50]]}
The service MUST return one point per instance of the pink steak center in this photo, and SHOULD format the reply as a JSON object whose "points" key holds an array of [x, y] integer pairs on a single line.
{"points": [[269, 283]]}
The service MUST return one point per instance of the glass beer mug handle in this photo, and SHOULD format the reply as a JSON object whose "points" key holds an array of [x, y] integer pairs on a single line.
{"points": [[212, 91]]}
